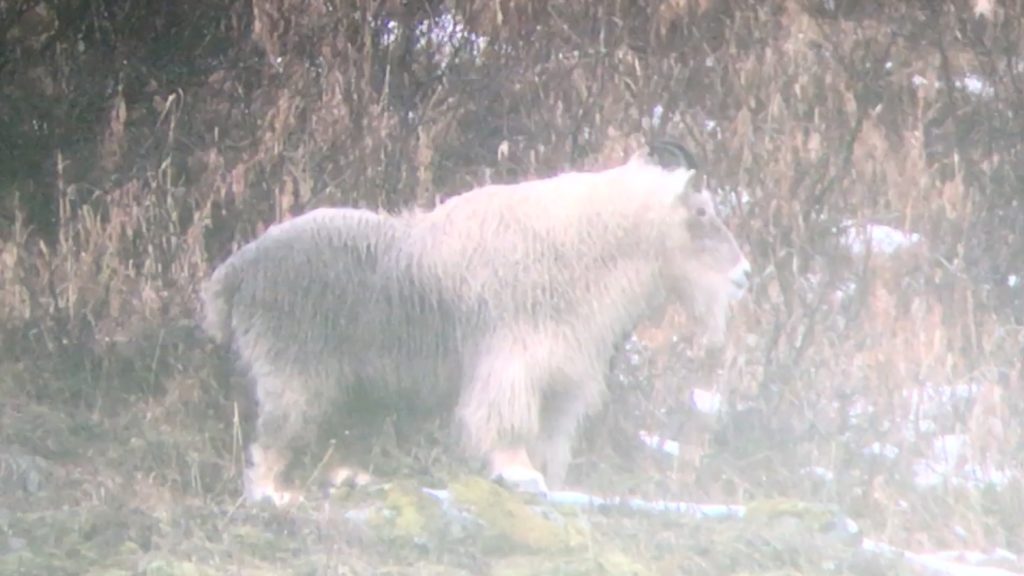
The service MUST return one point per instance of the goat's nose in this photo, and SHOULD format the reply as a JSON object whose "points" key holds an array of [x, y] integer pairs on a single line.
{"points": [[741, 275]]}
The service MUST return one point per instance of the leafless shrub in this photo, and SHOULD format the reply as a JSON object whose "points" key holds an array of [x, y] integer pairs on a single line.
{"points": [[120, 184]]}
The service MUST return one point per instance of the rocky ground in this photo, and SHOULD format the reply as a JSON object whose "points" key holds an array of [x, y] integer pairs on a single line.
{"points": [[119, 471], [151, 488]]}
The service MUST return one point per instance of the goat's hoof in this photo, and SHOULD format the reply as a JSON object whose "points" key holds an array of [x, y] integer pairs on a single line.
{"points": [[278, 498], [344, 477], [521, 479]]}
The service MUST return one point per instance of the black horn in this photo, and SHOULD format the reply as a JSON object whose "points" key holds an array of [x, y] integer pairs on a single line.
{"points": [[671, 155]]}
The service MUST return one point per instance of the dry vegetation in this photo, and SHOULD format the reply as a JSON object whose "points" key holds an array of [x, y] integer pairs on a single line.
{"points": [[140, 143]]}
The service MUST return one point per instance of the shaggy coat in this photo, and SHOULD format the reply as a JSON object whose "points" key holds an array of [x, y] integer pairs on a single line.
{"points": [[509, 299]]}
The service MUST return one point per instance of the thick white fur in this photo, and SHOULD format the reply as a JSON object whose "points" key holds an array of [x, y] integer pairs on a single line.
{"points": [[504, 303]]}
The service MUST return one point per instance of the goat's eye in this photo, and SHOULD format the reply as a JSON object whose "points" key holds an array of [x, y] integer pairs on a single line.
{"points": [[701, 212]]}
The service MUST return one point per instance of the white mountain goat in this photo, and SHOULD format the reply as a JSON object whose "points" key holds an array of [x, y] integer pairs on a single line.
{"points": [[509, 300]]}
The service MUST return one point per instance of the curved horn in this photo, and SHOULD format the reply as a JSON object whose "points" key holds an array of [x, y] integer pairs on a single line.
{"points": [[671, 155]]}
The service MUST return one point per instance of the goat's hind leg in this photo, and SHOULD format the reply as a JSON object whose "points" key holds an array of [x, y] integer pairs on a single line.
{"points": [[262, 473], [283, 418]]}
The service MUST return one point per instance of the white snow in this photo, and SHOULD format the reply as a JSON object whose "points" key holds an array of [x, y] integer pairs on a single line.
{"points": [[949, 462], [879, 449], [969, 564], [880, 238], [945, 563], [976, 85], [656, 114], [670, 447], [973, 84], [706, 401]]}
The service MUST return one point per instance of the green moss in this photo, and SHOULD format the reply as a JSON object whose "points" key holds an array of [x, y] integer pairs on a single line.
{"points": [[609, 563], [540, 566], [772, 573], [169, 567], [26, 562], [614, 563], [812, 514], [404, 512], [510, 522]]}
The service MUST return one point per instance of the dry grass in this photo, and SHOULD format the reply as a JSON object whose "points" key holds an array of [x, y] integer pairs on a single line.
{"points": [[121, 185]]}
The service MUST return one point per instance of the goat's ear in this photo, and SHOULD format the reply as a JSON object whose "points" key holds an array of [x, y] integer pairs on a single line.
{"points": [[682, 181], [641, 157]]}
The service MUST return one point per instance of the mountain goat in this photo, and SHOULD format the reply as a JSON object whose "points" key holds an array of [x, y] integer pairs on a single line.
{"points": [[507, 302]]}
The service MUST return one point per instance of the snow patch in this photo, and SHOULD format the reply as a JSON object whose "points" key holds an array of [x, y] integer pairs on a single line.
{"points": [[879, 238], [706, 401]]}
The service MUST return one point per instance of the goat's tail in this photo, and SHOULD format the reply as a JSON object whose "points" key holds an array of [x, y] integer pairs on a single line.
{"points": [[218, 294]]}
